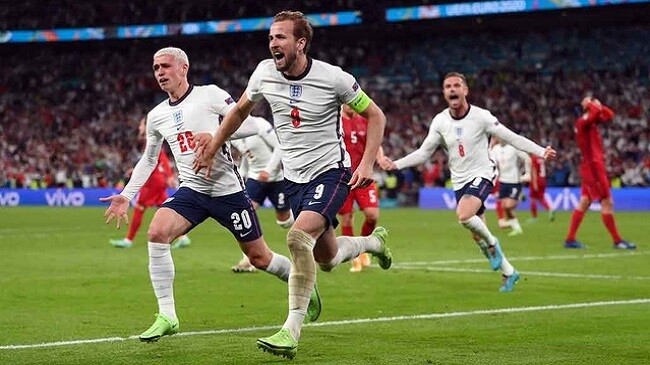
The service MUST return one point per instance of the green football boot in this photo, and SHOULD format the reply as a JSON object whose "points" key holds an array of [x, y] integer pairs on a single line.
{"points": [[315, 306], [280, 344], [385, 258], [163, 326], [121, 243]]}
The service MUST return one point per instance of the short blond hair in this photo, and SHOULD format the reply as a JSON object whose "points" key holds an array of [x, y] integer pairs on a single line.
{"points": [[175, 52]]}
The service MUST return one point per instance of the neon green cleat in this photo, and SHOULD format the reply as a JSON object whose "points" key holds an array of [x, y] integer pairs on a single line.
{"points": [[182, 242], [315, 306], [280, 344], [163, 326], [121, 243], [385, 258]]}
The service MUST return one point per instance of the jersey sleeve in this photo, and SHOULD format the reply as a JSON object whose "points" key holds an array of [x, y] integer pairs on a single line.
{"points": [[253, 89], [428, 147], [267, 133], [519, 142], [349, 92], [249, 127], [219, 100], [145, 165]]}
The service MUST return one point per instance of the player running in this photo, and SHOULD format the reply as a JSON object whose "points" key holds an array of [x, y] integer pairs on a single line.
{"points": [[464, 130], [189, 111], [508, 160], [595, 184], [306, 95]]}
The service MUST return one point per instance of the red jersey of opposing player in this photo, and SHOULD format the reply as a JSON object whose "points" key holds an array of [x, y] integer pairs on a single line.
{"points": [[154, 192], [595, 183], [538, 177], [354, 136]]}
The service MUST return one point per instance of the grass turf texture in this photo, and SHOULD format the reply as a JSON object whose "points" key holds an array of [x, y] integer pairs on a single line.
{"points": [[62, 281]]}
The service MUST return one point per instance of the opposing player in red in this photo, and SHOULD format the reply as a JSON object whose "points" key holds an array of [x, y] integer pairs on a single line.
{"points": [[595, 185], [354, 134], [538, 188], [152, 194]]}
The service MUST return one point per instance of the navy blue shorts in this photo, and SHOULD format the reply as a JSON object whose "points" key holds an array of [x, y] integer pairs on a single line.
{"points": [[258, 191], [479, 188], [512, 191], [234, 211], [325, 194]]}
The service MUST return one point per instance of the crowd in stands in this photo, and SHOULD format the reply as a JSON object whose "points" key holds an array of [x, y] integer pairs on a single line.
{"points": [[68, 116]]}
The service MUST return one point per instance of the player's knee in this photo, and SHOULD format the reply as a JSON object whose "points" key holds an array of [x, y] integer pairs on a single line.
{"points": [[372, 216], [157, 233], [299, 240], [463, 217]]}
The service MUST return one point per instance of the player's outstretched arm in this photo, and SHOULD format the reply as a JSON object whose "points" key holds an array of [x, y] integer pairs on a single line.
{"points": [[422, 154], [362, 176], [118, 209], [205, 151]]}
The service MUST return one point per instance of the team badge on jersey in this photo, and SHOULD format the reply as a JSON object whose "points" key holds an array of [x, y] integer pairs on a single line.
{"points": [[178, 119], [459, 132], [295, 91]]}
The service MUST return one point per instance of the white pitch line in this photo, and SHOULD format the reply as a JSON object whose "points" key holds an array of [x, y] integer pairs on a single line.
{"points": [[530, 273], [350, 321], [529, 258]]}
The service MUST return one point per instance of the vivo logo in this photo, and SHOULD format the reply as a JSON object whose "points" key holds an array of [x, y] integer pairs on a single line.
{"points": [[59, 198], [565, 200], [10, 199]]}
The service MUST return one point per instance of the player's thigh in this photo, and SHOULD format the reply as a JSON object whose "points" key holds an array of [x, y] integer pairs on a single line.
{"points": [[236, 213], [367, 197], [322, 196], [167, 225], [188, 204], [470, 198]]}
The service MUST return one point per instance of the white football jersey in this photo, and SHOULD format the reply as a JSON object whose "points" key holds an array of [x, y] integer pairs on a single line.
{"points": [[466, 141], [509, 162], [306, 114], [257, 152], [200, 110]]}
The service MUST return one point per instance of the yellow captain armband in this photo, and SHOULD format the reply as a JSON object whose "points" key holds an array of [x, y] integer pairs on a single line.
{"points": [[360, 102]]}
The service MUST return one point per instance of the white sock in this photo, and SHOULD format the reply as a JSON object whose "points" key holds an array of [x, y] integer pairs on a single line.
{"points": [[279, 266], [161, 273], [288, 223], [506, 268], [476, 225], [514, 223], [351, 247], [301, 279]]}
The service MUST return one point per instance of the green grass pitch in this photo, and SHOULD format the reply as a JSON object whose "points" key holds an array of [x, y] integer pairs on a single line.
{"points": [[61, 281]]}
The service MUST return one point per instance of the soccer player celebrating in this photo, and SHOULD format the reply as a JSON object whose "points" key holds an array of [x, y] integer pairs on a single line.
{"points": [[260, 165], [538, 188], [508, 160], [355, 128], [152, 194], [465, 129], [220, 195], [595, 185], [305, 95]]}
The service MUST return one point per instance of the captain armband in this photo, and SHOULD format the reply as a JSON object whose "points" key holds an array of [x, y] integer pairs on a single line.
{"points": [[360, 102]]}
